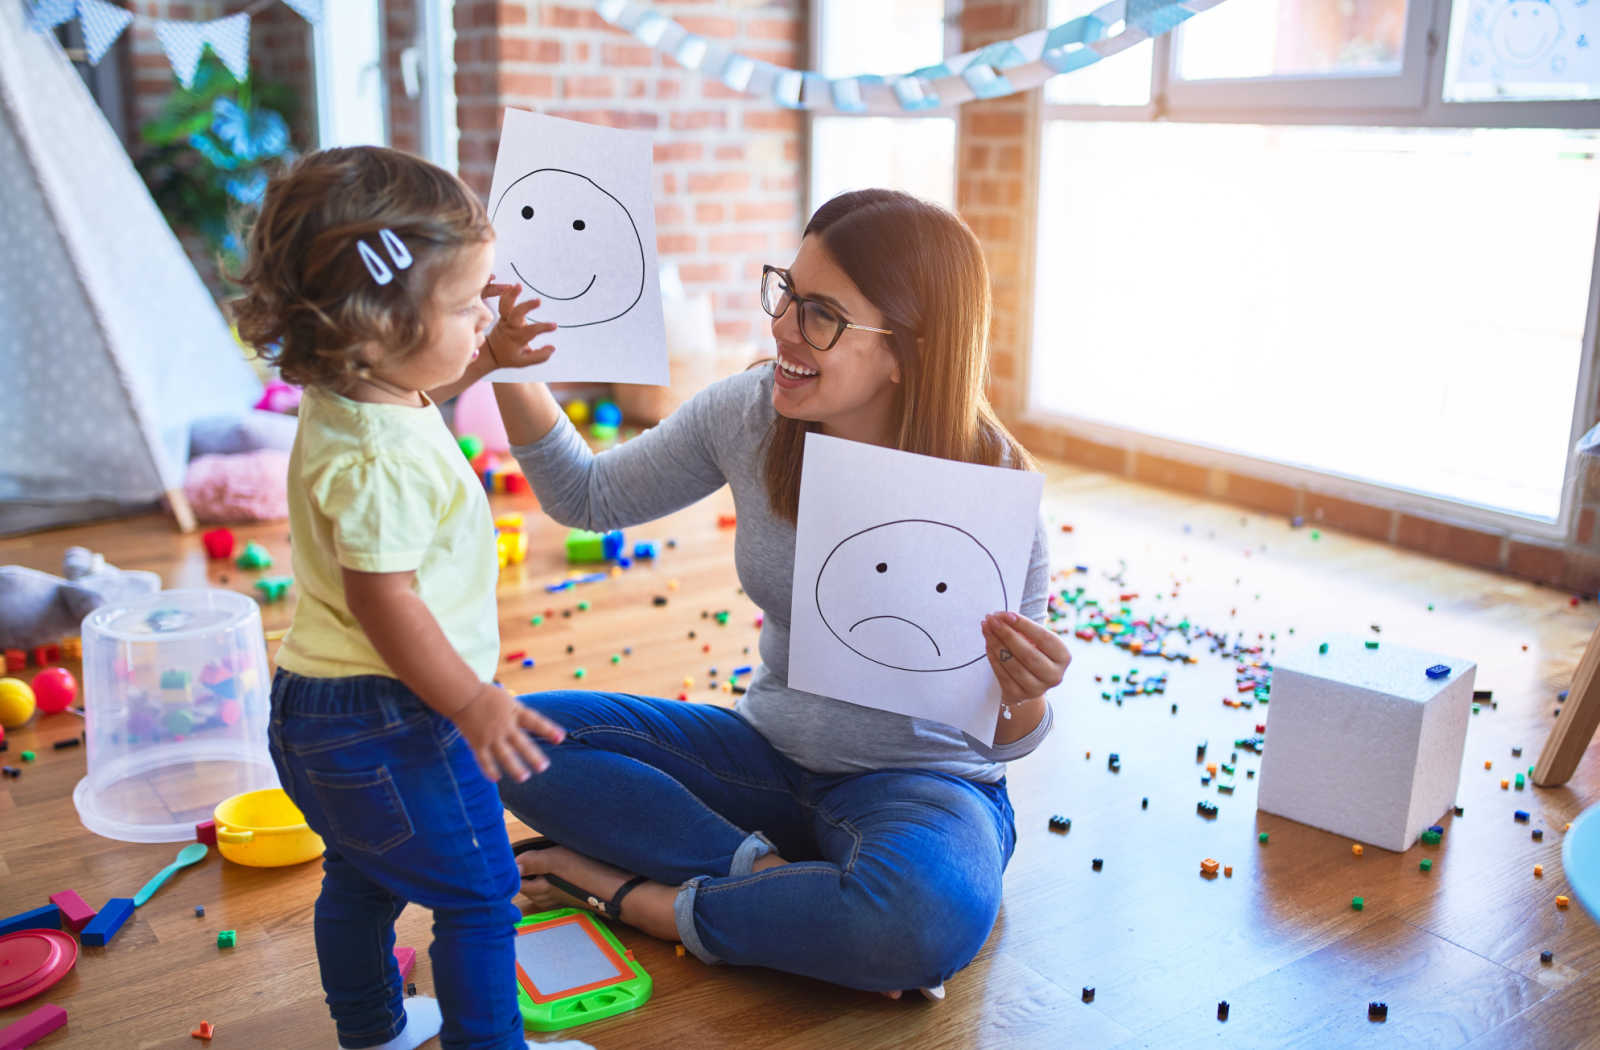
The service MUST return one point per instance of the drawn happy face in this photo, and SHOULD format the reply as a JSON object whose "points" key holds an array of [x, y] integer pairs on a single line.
{"points": [[910, 594], [573, 245], [1525, 30]]}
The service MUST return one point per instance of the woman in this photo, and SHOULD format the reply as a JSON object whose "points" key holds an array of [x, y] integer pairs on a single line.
{"points": [[796, 832]]}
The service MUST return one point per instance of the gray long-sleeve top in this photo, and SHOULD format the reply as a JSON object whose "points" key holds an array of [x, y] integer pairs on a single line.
{"points": [[718, 438]]}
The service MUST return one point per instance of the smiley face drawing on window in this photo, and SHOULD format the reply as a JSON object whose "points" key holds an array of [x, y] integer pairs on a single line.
{"points": [[572, 244], [910, 594]]}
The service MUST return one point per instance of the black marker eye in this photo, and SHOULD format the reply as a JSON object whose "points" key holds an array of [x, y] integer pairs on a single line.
{"points": [[527, 211], [883, 566], [941, 588], [577, 224]]}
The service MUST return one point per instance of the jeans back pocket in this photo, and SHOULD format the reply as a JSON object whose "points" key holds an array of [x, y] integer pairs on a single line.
{"points": [[364, 810]]}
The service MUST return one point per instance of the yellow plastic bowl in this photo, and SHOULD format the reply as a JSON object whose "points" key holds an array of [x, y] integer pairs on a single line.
{"points": [[264, 829]]}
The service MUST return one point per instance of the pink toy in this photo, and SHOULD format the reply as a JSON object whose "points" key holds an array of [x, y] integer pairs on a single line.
{"points": [[406, 958], [279, 397], [54, 690], [477, 413], [75, 911], [249, 486], [219, 543], [32, 1028]]}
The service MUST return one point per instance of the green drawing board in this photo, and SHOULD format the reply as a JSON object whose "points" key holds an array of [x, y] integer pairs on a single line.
{"points": [[571, 970]]}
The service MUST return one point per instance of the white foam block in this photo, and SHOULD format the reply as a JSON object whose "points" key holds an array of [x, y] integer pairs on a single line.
{"points": [[1362, 743]]}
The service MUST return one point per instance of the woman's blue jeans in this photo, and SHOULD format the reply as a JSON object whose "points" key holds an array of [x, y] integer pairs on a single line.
{"points": [[894, 875], [406, 816]]}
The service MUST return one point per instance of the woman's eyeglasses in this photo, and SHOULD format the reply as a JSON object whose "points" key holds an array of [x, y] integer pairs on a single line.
{"points": [[820, 324]]}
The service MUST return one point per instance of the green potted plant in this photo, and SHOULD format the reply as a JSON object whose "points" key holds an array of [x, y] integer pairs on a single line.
{"points": [[209, 152]]}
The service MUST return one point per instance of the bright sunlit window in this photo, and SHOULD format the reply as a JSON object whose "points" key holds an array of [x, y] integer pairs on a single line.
{"points": [[1370, 298], [913, 154]]}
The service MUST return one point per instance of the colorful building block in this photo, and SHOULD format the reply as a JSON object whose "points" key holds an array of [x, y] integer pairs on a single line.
{"points": [[45, 918], [218, 543], [227, 939], [104, 926], [273, 588], [254, 556], [205, 1031], [75, 912], [406, 958], [32, 1028], [206, 831]]}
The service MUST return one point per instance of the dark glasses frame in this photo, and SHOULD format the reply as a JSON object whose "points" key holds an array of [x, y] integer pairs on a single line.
{"points": [[789, 296]]}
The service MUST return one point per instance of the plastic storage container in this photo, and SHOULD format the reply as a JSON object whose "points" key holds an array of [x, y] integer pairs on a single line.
{"points": [[176, 708]]}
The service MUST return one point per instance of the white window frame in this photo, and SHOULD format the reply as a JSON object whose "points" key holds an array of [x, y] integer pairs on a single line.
{"points": [[1280, 101], [819, 11], [342, 76], [441, 130]]}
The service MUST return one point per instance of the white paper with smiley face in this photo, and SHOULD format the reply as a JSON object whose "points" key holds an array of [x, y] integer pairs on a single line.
{"points": [[898, 558], [575, 226]]}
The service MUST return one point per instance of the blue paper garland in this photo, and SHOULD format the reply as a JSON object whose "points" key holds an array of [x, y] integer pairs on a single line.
{"points": [[991, 71]]}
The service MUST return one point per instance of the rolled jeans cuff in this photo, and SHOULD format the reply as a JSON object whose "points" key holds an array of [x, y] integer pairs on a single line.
{"points": [[683, 915], [753, 848]]}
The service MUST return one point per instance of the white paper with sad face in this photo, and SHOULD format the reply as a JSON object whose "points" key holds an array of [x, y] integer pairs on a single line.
{"points": [[898, 558], [575, 226]]}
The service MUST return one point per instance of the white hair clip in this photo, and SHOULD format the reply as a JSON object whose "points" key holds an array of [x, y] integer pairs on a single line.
{"points": [[398, 252]]}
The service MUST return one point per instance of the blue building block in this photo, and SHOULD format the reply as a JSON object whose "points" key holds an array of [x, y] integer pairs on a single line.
{"points": [[644, 550], [46, 918], [612, 545], [105, 925]]}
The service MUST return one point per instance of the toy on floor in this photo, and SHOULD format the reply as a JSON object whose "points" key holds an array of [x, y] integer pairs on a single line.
{"points": [[218, 543], [584, 547], [54, 689], [17, 702], [193, 853], [571, 970], [37, 608]]}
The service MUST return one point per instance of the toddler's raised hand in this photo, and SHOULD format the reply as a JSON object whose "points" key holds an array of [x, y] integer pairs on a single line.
{"points": [[497, 728], [510, 341]]}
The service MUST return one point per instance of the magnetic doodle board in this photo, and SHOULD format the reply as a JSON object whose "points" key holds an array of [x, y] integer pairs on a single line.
{"points": [[575, 226], [898, 557], [571, 970]]}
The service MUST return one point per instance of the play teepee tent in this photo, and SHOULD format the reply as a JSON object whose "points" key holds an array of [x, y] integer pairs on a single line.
{"points": [[110, 345]]}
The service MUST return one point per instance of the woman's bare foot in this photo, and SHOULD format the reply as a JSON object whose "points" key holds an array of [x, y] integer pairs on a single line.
{"points": [[648, 907], [936, 993]]}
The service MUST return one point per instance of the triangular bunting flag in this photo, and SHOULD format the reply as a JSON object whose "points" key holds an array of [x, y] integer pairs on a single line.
{"points": [[230, 39], [182, 42], [102, 24], [47, 14], [310, 10]]}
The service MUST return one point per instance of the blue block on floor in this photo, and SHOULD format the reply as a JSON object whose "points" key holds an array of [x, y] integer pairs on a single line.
{"points": [[105, 925], [46, 918]]}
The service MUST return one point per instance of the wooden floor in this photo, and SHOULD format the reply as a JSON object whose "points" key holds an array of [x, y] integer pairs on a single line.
{"points": [[1454, 952]]}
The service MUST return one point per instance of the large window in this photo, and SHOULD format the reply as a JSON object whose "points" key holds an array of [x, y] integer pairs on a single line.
{"points": [[1399, 296], [916, 154]]}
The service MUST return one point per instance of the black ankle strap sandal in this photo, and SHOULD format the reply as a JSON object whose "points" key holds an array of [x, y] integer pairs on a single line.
{"points": [[611, 909]]}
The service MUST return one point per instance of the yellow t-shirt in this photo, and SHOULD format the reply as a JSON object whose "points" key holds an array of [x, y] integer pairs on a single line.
{"points": [[385, 488]]}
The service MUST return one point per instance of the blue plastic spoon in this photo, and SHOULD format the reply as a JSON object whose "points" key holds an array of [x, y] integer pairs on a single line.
{"points": [[190, 854]]}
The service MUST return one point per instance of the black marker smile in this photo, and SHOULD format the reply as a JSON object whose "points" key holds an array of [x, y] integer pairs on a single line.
{"points": [[561, 298], [902, 619]]}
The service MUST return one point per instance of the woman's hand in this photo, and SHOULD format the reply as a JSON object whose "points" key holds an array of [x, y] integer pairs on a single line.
{"points": [[1028, 659], [497, 728], [509, 341]]}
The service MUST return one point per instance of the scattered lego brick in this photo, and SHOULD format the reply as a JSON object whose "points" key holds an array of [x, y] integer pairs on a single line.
{"points": [[1060, 824], [32, 1028], [1222, 1010], [75, 912], [205, 1031], [104, 926], [1088, 993], [45, 918], [1377, 1011], [227, 939]]}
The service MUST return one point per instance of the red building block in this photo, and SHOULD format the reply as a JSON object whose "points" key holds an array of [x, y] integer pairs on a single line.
{"points": [[205, 1031], [16, 660], [75, 912], [32, 1028], [219, 543], [45, 655], [206, 831]]}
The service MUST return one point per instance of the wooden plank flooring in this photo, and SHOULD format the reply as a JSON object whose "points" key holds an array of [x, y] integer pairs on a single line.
{"points": [[1454, 952]]}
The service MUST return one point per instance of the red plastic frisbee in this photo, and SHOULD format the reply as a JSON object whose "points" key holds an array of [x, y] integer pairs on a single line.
{"points": [[31, 961]]}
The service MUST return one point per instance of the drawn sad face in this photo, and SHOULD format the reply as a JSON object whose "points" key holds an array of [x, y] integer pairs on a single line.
{"points": [[1525, 30], [910, 595], [573, 245]]}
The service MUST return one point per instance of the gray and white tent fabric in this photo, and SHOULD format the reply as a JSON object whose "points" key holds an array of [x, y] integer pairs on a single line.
{"points": [[110, 344]]}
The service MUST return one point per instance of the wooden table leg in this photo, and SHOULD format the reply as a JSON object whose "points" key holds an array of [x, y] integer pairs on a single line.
{"points": [[1575, 726]]}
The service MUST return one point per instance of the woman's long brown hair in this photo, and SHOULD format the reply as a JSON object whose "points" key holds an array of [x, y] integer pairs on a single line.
{"points": [[923, 268]]}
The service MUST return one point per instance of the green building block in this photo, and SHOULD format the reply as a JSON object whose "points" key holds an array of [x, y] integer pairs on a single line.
{"points": [[1372, 645], [28, 756], [1426, 865], [537, 620], [272, 588], [1262, 838], [585, 547], [1323, 648], [616, 658], [254, 556], [471, 445], [226, 939], [1520, 782], [579, 673], [1357, 903], [583, 606], [1430, 838]]}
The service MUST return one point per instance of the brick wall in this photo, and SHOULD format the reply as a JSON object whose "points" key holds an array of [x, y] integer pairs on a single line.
{"points": [[150, 76], [281, 52], [729, 192]]}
